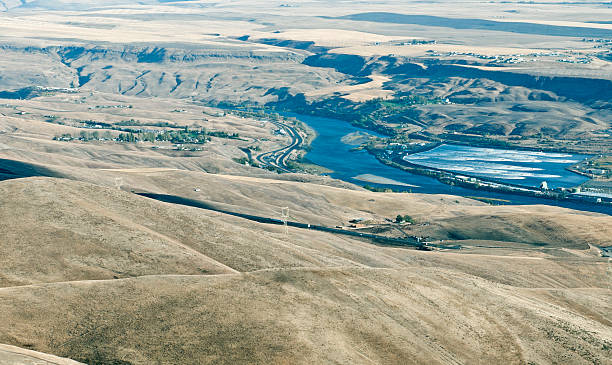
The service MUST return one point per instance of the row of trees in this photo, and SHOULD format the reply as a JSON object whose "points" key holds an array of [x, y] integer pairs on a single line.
{"points": [[183, 136], [85, 136], [173, 136]]}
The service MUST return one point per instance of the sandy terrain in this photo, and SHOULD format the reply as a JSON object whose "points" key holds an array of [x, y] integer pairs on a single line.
{"points": [[380, 180]]}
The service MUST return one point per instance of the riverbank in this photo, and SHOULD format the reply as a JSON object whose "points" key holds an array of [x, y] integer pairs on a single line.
{"points": [[343, 161], [347, 163]]}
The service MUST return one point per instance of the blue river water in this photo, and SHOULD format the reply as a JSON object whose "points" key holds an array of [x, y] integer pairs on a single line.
{"points": [[328, 150]]}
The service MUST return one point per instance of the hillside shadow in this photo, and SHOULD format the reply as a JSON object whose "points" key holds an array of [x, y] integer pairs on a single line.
{"points": [[11, 169], [481, 24]]}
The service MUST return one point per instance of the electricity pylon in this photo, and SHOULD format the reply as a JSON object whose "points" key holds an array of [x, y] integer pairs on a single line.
{"points": [[118, 182], [285, 218]]}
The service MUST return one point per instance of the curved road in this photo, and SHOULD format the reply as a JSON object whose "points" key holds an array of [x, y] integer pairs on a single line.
{"points": [[278, 158]]}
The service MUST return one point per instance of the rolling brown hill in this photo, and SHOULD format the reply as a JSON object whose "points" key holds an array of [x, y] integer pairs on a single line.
{"points": [[103, 276], [91, 272]]}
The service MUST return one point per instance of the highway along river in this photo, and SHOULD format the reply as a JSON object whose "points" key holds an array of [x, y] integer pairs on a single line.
{"points": [[331, 150]]}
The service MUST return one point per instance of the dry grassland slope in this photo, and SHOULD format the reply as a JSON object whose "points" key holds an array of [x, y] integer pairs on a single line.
{"points": [[199, 287]]}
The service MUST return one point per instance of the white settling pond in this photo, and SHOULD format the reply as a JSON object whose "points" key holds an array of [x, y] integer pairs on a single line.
{"points": [[528, 168]]}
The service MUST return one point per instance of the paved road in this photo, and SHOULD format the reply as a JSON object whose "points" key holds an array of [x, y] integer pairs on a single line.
{"points": [[278, 158]]}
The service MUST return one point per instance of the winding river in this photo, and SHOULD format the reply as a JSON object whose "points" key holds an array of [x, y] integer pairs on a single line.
{"points": [[330, 151]]}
